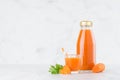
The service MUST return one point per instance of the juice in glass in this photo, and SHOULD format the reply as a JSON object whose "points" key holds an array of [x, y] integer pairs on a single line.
{"points": [[73, 61]]}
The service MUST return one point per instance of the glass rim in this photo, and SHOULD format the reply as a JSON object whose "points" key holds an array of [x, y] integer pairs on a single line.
{"points": [[72, 55]]}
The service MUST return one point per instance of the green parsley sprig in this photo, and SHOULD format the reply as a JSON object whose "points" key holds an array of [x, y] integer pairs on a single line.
{"points": [[55, 69]]}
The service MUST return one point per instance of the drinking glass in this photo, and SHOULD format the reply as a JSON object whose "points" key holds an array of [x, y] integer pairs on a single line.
{"points": [[73, 61]]}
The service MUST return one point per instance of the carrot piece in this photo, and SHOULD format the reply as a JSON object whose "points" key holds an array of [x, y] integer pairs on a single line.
{"points": [[65, 70], [98, 68]]}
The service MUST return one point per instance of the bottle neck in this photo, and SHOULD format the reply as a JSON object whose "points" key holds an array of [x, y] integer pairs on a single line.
{"points": [[86, 28]]}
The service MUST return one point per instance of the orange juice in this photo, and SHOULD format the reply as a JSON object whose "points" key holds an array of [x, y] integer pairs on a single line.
{"points": [[86, 45], [74, 63]]}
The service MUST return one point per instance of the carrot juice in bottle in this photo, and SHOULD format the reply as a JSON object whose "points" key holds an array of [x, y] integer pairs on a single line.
{"points": [[86, 45]]}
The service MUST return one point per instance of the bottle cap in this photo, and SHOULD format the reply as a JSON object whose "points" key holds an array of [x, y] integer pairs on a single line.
{"points": [[86, 23]]}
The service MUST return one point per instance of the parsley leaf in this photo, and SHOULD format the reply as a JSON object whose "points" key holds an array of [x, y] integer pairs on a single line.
{"points": [[55, 69]]}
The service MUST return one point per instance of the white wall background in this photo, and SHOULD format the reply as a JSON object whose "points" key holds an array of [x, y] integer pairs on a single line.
{"points": [[31, 31]]}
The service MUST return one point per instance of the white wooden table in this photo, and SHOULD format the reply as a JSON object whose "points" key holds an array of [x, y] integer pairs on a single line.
{"points": [[40, 72]]}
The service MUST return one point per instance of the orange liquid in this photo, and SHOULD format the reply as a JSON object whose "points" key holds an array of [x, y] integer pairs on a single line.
{"points": [[86, 48], [73, 63]]}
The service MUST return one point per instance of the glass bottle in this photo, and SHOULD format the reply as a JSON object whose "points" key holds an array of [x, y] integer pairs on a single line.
{"points": [[86, 45]]}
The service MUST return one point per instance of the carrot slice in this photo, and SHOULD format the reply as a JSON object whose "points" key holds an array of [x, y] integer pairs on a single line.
{"points": [[65, 70], [98, 68]]}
